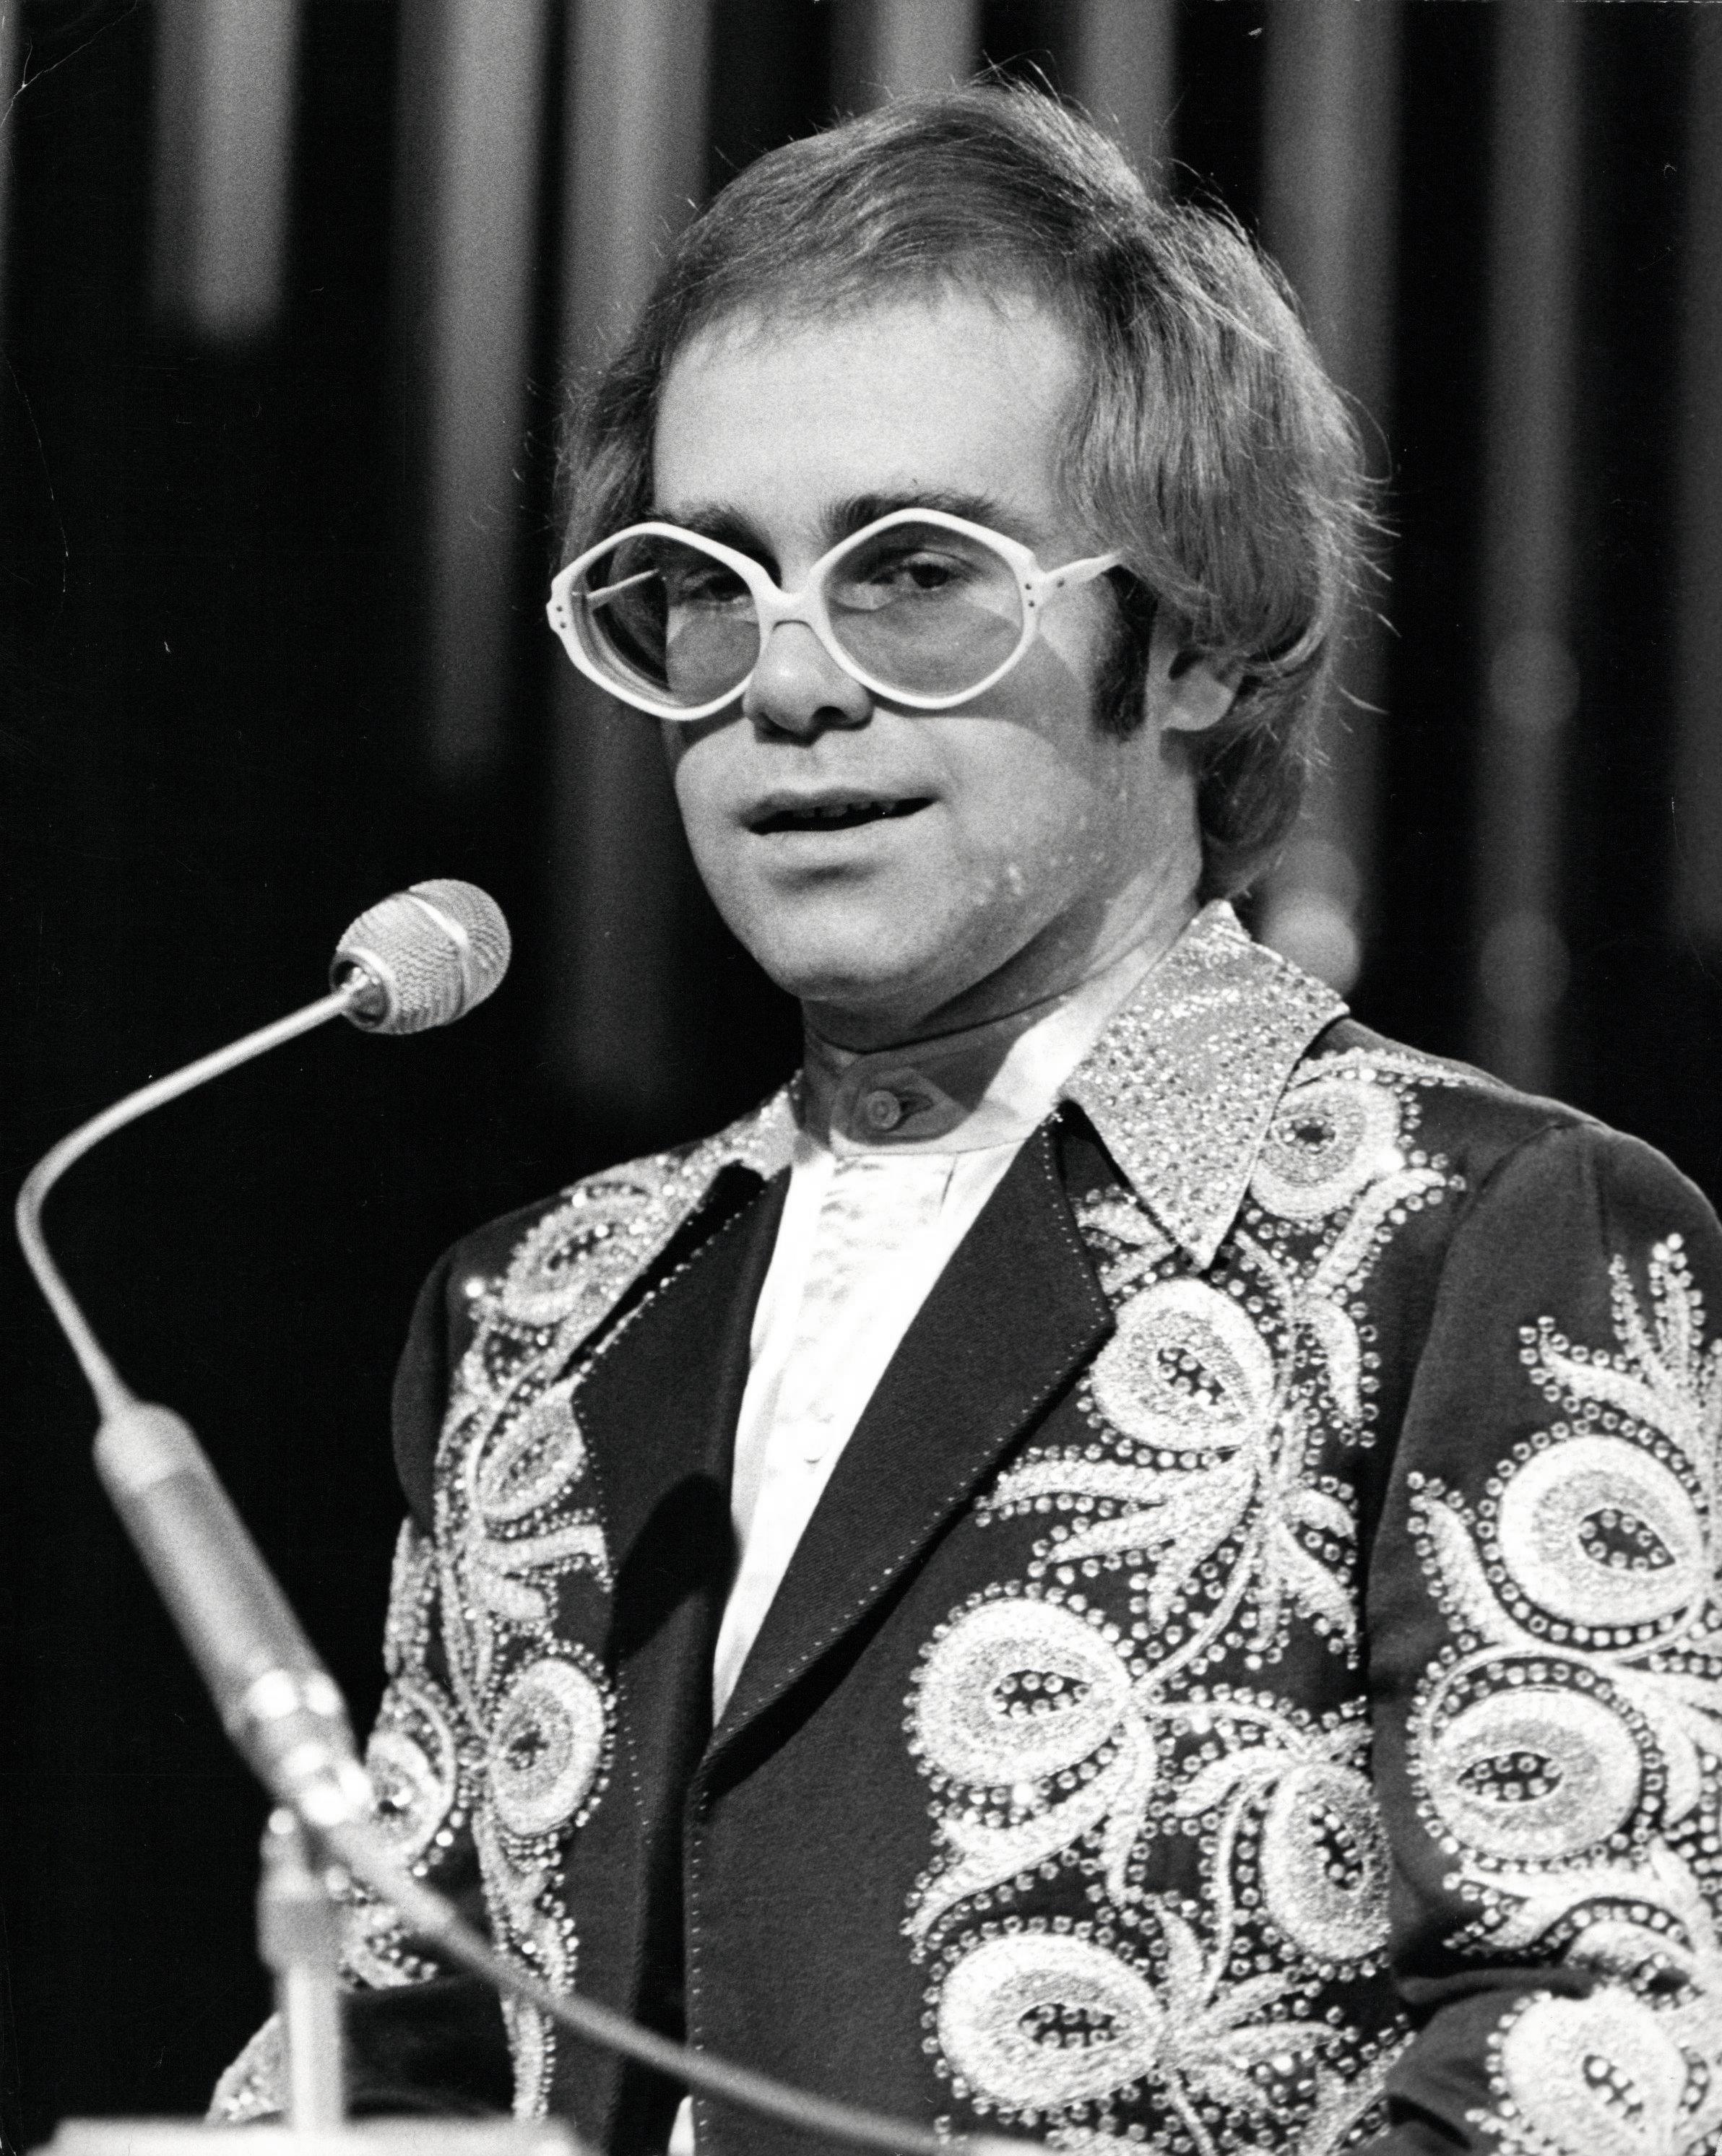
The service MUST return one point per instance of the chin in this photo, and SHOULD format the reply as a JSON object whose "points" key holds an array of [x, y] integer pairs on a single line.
{"points": [[858, 971], [860, 982]]}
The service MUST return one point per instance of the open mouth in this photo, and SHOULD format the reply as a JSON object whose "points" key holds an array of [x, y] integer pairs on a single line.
{"points": [[836, 815]]}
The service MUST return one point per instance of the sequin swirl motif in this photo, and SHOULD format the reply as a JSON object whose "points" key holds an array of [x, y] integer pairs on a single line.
{"points": [[1159, 1723], [1567, 1750], [421, 1761], [521, 1546], [254, 2088]]}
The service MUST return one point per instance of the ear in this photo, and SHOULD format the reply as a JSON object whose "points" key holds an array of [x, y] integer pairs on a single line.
{"points": [[1187, 691]]}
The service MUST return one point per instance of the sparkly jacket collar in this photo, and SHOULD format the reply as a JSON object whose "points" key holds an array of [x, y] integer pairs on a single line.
{"points": [[1180, 1087], [1182, 1084]]}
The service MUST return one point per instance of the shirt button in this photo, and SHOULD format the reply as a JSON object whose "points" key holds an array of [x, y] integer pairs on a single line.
{"points": [[880, 1110]]}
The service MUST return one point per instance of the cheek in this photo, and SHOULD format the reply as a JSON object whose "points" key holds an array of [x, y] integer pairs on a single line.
{"points": [[1047, 803], [1041, 769], [696, 778]]}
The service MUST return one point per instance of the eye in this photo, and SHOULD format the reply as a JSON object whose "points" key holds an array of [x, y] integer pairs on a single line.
{"points": [[701, 584], [902, 569], [1028, 1693], [1061, 2027], [1616, 1536], [919, 571], [1511, 1778], [927, 572]]}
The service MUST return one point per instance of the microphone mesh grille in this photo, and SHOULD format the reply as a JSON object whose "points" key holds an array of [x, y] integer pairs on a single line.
{"points": [[436, 950]]}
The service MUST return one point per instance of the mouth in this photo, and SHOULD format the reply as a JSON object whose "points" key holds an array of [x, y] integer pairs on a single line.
{"points": [[848, 813]]}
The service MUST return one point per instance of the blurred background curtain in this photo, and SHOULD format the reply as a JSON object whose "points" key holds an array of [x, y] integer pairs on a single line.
{"points": [[292, 293]]}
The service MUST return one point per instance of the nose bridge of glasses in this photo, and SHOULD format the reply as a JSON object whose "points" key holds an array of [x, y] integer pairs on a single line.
{"points": [[775, 606], [797, 676], [805, 609], [793, 664]]}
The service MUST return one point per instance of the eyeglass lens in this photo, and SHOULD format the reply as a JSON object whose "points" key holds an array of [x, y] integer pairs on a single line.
{"points": [[918, 608]]}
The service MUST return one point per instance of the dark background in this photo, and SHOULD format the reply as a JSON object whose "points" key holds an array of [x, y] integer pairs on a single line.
{"points": [[211, 750]]}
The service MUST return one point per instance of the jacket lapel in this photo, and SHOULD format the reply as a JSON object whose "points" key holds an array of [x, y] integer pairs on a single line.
{"points": [[1014, 1314], [658, 1413], [658, 1410]]}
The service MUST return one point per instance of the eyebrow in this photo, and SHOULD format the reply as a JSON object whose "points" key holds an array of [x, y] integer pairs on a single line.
{"points": [[732, 527], [860, 509]]}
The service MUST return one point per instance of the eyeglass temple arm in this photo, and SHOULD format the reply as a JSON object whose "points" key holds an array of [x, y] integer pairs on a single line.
{"points": [[610, 591], [1084, 571]]}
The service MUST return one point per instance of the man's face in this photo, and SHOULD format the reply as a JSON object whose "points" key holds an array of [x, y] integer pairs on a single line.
{"points": [[982, 859]]}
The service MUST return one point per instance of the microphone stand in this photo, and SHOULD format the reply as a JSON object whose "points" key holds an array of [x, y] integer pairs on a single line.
{"points": [[298, 1939]]}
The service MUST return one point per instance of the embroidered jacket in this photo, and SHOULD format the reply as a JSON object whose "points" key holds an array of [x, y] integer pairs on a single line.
{"points": [[1253, 1682]]}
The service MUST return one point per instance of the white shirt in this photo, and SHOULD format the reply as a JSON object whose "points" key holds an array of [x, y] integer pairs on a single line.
{"points": [[898, 1153]]}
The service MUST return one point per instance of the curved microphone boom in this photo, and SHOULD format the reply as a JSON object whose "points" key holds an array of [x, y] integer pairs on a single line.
{"points": [[419, 958]]}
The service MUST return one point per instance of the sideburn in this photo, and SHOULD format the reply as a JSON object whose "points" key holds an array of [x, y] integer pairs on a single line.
{"points": [[1119, 705]]}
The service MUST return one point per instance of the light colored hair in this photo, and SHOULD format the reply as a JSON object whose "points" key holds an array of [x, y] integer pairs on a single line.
{"points": [[1208, 448]]}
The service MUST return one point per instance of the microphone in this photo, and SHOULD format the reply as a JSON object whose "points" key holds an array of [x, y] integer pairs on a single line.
{"points": [[280, 1708], [422, 957], [426, 957]]}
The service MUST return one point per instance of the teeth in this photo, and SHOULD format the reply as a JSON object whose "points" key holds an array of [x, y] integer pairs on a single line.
{"points": [[851, 813]]}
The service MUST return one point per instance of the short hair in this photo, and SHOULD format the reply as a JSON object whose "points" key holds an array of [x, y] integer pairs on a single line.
{"points": [[1208, 447]]}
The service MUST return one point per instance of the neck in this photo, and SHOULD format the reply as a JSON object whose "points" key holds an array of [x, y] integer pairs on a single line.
{"points": [[981, 1085], [1142, 923]]}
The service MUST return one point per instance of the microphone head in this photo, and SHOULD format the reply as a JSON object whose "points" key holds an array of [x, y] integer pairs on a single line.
{"points": [[423, 957]]}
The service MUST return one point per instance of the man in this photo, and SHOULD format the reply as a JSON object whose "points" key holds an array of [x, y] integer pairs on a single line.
{"points": [[1125, 1561]]}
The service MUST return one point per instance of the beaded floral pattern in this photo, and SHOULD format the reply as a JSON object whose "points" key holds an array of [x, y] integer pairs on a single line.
{"points": [[509, 1751], [1153, 1910], [422, 1763], [517, 1521], [1159, 1881], [1567, 1747]]}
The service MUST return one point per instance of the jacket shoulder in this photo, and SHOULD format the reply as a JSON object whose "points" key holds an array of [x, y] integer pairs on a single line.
{"points": [[530, 1256], [1493, 1135], [483, 1258]]}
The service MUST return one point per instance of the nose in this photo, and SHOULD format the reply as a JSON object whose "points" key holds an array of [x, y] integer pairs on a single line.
{"points": [[799, 688]]}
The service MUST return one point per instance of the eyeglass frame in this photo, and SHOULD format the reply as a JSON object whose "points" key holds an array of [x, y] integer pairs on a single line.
{"points": [[773, 606]]}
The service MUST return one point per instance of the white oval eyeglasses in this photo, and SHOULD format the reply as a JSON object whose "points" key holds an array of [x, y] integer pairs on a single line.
{"points": [[923, 607]]}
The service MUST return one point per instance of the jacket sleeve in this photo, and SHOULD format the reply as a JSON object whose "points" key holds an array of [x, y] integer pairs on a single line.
{"points": [[420, 2038], [1546, 1669]]}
